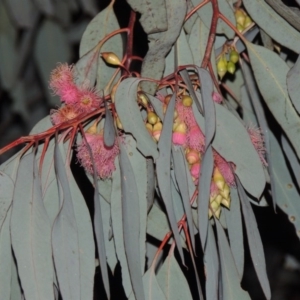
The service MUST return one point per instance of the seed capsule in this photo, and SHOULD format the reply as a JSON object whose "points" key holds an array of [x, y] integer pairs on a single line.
{"points": [[152, 117], [221, 67]]}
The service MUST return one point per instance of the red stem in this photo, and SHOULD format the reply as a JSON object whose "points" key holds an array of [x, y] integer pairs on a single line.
{"points": [[129, 47]]}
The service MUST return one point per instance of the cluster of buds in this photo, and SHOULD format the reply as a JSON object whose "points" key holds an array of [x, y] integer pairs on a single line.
{"points": [[220, 194], [76, 99], [224, 65], [243, 21], [154, 125]]}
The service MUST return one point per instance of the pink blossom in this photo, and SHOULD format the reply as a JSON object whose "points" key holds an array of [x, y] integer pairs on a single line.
{"points": [[69, 93], [88, 100], [178, 138], [195, 170], [217, 97], [61, 75], [104, 157], [258, 142], [160, 97], [224, 167], [185, 113], [63, 114], [195, 138]]}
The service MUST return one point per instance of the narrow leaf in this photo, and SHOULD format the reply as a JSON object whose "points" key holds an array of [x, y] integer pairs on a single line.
{"points": [[31, 233], [117, 226], [6, 195], [163, 170], [131, 221], [211, 262], [6, 259], [109, 128], [208, 105], [293, 84], [235, 231], [181, 179], [254, 241], [65, 235], [206, 171], [287, 193], [230, 278]]}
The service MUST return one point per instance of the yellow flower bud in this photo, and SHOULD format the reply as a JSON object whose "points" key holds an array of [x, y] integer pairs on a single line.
{"points": [[248, 22], [240, 28], [143, 99], [218, 179], [240, 17], [181, 128], [192, 157], [111, 58], [152, 117], [187, 100], [234, 56], [119, 124], [231, 67], [93, 129], [149, 128], [221, 67]]}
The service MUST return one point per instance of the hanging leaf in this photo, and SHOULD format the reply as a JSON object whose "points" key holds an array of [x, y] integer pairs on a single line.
{"points": [[287, 193], [181, 179], [270, 72], [172, 280], [6, 259], [235, 231], [89, 7], [254, 241], [208, 105], [45, 6], [206, 171], [131, 222], [211, 262], [161, 43], [6, 195], [139, 168], [109, 128], [293, 84], [206, 13], [151, 287], [16, 293], [117, 226], [150, 183], [163, 170], [31, 233], [231, 288], [130, 116], [151, 22], [103, 24], [274, 25], [65, 242]]}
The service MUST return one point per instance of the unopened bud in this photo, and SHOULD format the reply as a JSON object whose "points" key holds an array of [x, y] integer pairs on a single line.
{"points": [[192, 157], [93, 129], [152, 117], [231, 67], [149, 128], [218, 179], [240, 17], [111, 58], [187, 100], [248, 22], [234, 56], [143, 99]]}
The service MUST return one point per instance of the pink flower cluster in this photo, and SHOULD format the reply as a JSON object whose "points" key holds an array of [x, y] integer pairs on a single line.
{"points": [[77, 100], [104, 157]]}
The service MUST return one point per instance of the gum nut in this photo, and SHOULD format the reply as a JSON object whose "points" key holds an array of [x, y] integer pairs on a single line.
{"points": [[111, 58], [234, 56], [192, 157], [157, 127], [187, 101], [181, 128], [231, 67], [144, 99], [149, 128], [152, 118]]}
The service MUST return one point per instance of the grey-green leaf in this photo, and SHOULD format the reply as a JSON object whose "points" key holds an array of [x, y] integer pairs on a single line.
{"points": [[131, 222], [161, 43], [65, 242], [293, 84], [287, 193], [153, 14], [117, 226], [231, 287], [254, 241], [235, 231], [31, 233], [109, 128], [163, 170], [270, 72], [172, 280], [130, 116], [274, 25], [6, 196]]}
